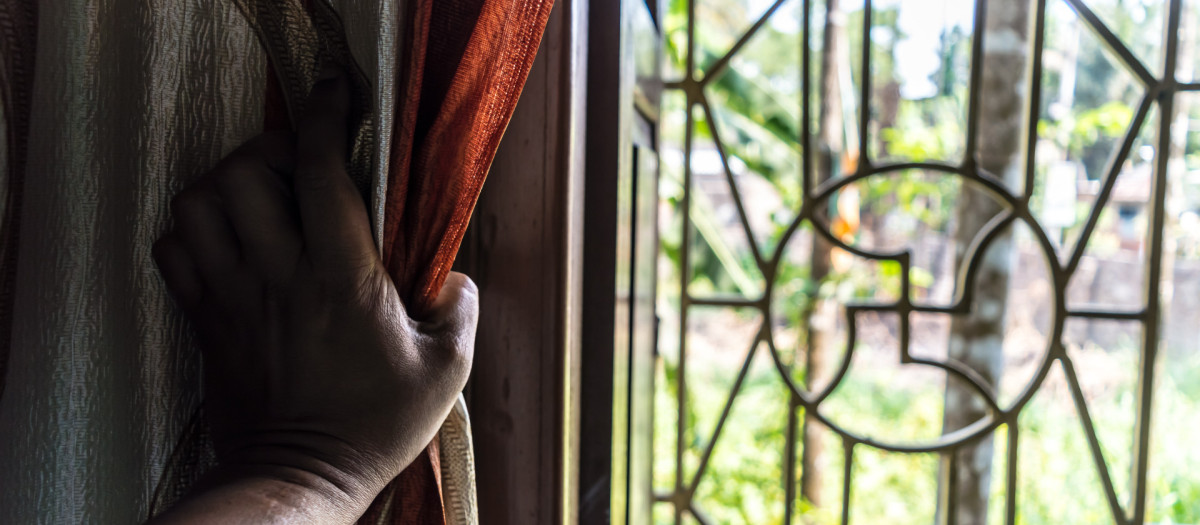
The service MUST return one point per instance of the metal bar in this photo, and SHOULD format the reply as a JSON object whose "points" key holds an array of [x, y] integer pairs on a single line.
{"points": [[1113, 42], [905, 302], [964, 289], [1014, 409], [685, 271], [730, 302], [805, 109], [968, 434], [893, 307], [1035, 99], [1010, 492], [782, 368], [864, 159], [789, 459], [992, 185], [712, 442], [948, 513], [690, 74], [700, 516], [733, 187], [1089, 430], [934, 309], [1154, 255], [971, 153], [844, 366], [1110, 180], [847, 463], [1107, 314], [903, 308], [966, 374], [723, 62], [823, 231]]}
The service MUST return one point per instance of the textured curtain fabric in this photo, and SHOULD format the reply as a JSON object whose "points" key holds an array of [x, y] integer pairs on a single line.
{"points": [[107, 109]]}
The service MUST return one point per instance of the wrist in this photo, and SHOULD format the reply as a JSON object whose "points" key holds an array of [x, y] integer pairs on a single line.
{"points": [[314, 460], [305, 476], [262, 494]]}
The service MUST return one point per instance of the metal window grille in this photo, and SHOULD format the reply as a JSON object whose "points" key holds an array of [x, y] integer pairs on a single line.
{"points": [[1159, 92]]}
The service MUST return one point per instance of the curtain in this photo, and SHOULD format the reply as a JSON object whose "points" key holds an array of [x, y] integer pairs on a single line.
{"points": [[108, 108]]}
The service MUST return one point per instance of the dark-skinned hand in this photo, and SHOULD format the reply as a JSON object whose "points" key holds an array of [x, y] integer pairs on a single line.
{"points": [[319, 387]]}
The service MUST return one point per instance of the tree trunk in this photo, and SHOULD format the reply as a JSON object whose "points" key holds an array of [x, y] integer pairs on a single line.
{"points": [[977, 340], [821, 322]]}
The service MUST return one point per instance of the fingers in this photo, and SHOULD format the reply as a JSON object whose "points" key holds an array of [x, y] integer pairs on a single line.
{"points": [[334, 220], [205, 232], [452, 323], [257, 198], [178, 271]]}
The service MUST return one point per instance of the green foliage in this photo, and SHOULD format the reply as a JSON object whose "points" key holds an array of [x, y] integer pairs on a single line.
{"points": [[926, 130], [1090, 134]]}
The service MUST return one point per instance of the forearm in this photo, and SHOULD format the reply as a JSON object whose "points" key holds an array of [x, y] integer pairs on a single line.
{"points": [[265, 495]]}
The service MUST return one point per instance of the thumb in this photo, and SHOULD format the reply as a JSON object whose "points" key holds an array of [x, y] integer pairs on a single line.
{"points": [[336, 228], [452, 322]]}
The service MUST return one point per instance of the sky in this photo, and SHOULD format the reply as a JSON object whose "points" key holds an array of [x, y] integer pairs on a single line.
{"points": [[921, 23]]}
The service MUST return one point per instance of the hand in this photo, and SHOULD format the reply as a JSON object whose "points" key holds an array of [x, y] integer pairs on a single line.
{"points": [[315, 375]]}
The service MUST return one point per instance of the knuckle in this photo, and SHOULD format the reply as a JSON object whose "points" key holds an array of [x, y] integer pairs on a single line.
{"points": [[185, 203], [234, 170], [462, 356], [270, 268], [269, 151], [454, 332], [453, 359], [470, 297], [470, 291], [456, 351], [266, 141], [244, 159], [193, 206], [227, 180]]}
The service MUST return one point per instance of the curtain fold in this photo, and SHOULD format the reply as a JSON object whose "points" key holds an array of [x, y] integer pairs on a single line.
{"points": [[98, 373], [469, 61], [466, 62], [18, 46], [128, 102]]}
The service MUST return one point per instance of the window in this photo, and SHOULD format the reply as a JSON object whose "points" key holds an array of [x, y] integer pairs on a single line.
{"points": [[929, 260]]}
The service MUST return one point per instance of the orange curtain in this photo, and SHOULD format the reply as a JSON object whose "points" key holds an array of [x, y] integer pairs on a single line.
{"points": [[463, 71], [467, 63]]}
